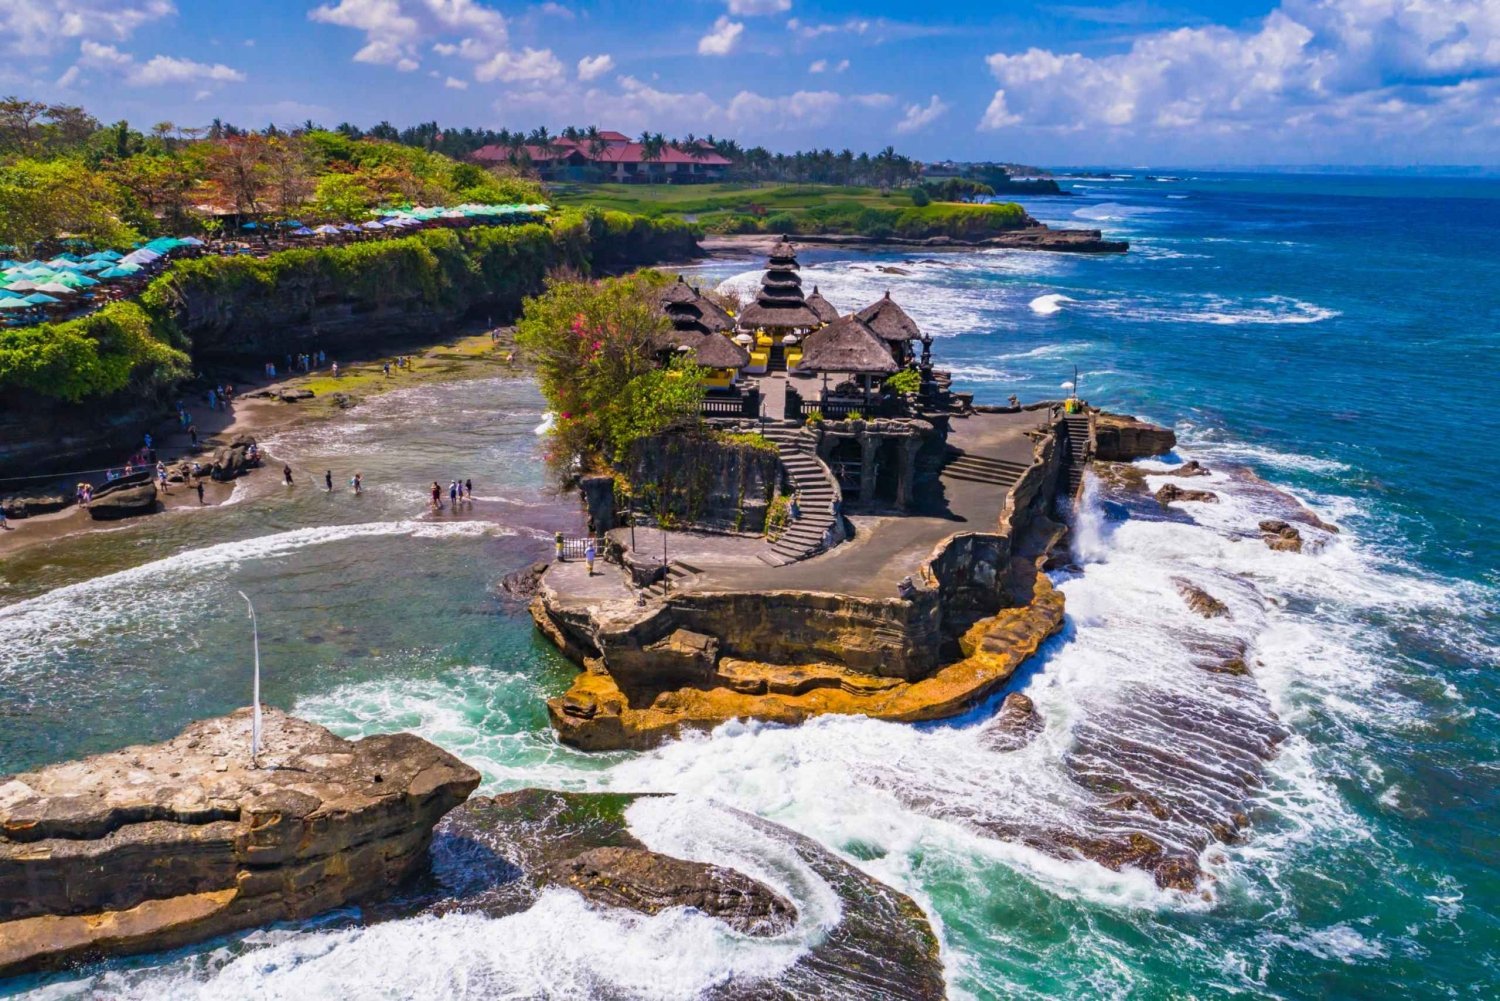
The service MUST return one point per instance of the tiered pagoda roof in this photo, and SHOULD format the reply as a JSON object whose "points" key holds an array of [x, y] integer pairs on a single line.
{"points": [[698, 324], [779, 303]]}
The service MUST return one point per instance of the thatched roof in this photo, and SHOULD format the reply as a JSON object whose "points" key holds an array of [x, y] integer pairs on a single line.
{"points": [[889, 321], [718, 351], [846, 345], [784, 252], [708, 350], [679, 293], [714, 317], [778, 313], [825, 309]]}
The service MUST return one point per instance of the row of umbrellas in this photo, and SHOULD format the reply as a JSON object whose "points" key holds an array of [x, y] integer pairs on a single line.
{"points": [[403, 219]]}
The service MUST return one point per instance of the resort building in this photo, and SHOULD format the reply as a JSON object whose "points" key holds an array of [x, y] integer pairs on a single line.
{"points": [[613, 156]]}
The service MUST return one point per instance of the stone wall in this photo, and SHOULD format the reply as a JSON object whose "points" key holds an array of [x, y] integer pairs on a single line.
{"points": [[703, 482]]}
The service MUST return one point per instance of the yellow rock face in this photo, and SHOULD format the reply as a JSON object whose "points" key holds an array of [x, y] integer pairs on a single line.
{"points": [[596, 715]]}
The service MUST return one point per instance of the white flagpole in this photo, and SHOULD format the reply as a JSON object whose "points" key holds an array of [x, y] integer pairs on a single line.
{"points": [[255, 695]]}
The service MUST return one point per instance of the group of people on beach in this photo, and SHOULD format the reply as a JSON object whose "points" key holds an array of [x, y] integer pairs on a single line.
{"points": [[220, 397], [459, 492], [306, 361]]}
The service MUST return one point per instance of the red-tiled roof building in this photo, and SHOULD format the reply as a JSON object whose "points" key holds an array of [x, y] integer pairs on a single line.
{"points": [[614, 157]]}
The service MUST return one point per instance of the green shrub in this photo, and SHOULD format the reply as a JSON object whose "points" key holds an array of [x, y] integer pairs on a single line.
{"points": [[106, 352], [920, 198], [908, 380]]}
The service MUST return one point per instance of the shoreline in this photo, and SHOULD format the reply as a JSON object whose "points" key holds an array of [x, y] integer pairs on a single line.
{"points": [[258, 410], [1074, 241]]}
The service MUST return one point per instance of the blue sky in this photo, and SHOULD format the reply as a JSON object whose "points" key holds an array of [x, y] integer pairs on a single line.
{"points": [[1135, 82]]}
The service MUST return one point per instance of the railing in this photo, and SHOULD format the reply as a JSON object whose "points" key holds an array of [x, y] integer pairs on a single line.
{"points": [[838, 410], [575, 549], [747, 405]]}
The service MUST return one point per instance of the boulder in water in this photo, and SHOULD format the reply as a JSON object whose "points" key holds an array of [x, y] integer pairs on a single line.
{"points": [[1280, 536], [523, 584], [1200, 600], [155, 846], [1014, 726], [1190, 468], [648, 882], [1171, 492]]}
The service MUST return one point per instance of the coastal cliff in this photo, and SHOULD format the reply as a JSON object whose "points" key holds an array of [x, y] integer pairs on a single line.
{"points": [[156, 846]]}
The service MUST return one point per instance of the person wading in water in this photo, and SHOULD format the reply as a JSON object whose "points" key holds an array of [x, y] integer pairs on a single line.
{"points": [[437, 496], [328, 480], [357, 484], [286, 473]]}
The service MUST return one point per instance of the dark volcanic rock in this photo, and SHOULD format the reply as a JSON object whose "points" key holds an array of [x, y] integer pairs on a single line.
{"points": [[1014, 726], [155, 846], [295, 395], [126, 502], [1190, 468], [522, 585], [650, 883], [1120, 438], [1171, 492], [1200, 600], [495, 855]]}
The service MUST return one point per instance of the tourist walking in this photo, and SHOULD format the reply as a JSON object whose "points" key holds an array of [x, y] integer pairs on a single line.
{"points": [[328, 480], [335, 370], [453, 494], [4, 525], [437, 496], [386, 368], [469, 491], [193, 434], [286, 473], [588, 555], [357, 484], [200, 491], [161, 476]]}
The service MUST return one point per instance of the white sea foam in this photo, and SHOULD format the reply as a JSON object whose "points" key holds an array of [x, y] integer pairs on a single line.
{"points": [[1046, 305]]}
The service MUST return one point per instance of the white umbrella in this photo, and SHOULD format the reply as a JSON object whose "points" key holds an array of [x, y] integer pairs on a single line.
{"points": [[55, 288]]}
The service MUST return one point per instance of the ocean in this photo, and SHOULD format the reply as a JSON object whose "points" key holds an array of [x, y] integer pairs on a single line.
{"points": [[1334, 336]]}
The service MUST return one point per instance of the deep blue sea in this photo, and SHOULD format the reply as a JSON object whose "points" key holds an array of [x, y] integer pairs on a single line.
{"points": [[1336, 336]]}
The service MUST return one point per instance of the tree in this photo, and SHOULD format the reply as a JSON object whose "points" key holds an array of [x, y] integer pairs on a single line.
{"points": [[46, 200], [238, 168], [20, 130], [289, 172], [344, 197], [589, 343]]}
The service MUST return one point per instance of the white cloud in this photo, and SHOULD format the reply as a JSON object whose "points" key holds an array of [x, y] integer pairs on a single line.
{"points": [[454, 83], [593, 67], [824, 66], [853, 26], [397, 30], [818, 66], [919, 117], [157, 71], [721, 38], [556, 10], [751, 8], [41, 27], [872, 100], [1309, 67], [528, 65]]}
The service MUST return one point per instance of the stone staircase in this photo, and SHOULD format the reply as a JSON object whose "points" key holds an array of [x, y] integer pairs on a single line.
{"points": [[1076, 441], [816, 494], [677, 571], [973, 468]]}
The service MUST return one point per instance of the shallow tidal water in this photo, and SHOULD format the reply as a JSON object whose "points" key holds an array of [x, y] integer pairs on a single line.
{"points": [[1336, 336]]}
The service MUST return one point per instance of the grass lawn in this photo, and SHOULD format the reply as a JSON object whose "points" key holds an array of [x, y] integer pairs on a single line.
{"points": [[796, 208], [739, 197]]}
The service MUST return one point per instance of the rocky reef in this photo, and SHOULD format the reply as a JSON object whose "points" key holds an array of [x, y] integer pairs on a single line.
{"points": [[155, 846], [495, 856]]}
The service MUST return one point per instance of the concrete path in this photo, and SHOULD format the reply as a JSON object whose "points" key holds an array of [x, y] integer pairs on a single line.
{"points": [[884, 549]]}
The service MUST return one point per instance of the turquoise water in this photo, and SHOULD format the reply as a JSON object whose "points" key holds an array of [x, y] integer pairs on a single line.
{"points": [[1335, 335]]}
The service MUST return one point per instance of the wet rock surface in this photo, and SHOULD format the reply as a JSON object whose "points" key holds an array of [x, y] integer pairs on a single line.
{"points": [[1015, 726], [522, 585], [1190, 468], [1280, 536], [1200, 600], [29, 505], [650, 883], [155, 846], [496, 855], [126, 501], [1171, 493]]}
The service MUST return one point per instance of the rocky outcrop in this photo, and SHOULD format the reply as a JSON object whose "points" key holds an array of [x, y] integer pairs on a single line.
{"points": [[1190, 468], [1200, 600], [29, 505], [647, 882], [125, 501], [1015, 726], [1171, 493], [155, 846], [496, 855], [522, 585], [600, 713], [704, 481], [1280, 536], [1119, 438], [233, 460]]}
